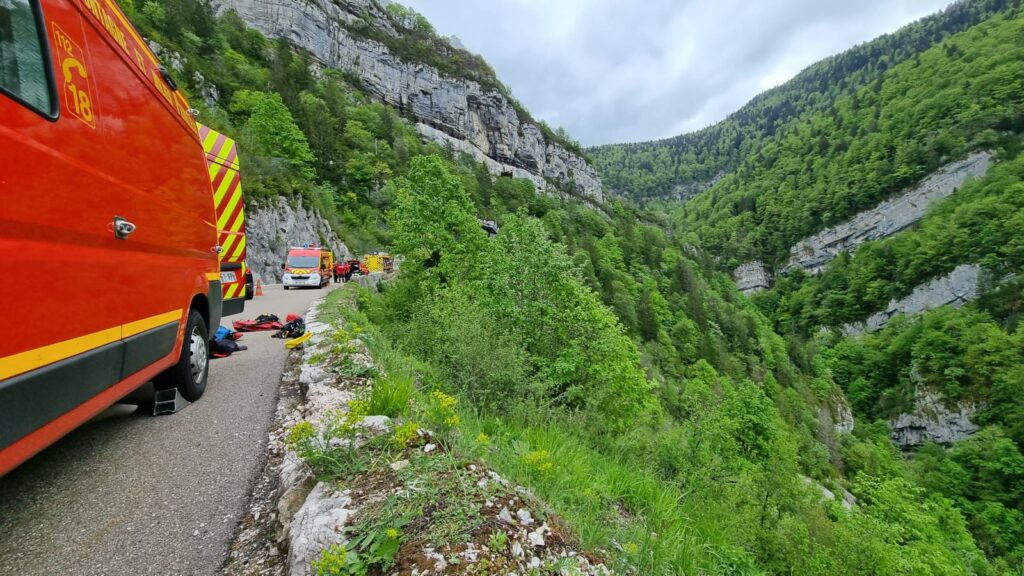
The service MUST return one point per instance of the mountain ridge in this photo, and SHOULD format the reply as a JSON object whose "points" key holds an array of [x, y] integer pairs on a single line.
{"points": [[679, 167]]}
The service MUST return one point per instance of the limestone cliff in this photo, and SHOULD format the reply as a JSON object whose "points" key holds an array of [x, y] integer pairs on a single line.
{"points": [[931, 420], [886, 219], [752, 277], [455, 110], [954, 289]]}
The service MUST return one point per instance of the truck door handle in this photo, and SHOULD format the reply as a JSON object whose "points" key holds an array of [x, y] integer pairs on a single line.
{"points": [[122, 228]]}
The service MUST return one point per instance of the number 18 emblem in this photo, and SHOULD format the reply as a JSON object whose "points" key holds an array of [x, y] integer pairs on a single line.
{"points": [[77, 94]]}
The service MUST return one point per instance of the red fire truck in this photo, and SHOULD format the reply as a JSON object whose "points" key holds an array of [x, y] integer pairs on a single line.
{"points": [[107, 180]]}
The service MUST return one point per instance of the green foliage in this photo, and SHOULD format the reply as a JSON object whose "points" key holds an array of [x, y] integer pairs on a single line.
{"points": [[389, 396], [597, 358], [274, 129], [877, 141], [338, 561], [962, 353], [979, 224]]}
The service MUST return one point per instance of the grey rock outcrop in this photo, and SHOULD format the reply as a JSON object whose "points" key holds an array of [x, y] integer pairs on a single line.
{"points": [[752, 277], [954, 289], [319, 524], [848, 501], [932, 421], [842, 415], [272, 229], [460, 108], [886, 219]]}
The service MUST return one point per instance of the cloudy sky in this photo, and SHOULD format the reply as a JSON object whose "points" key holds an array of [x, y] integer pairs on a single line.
{"points": [[621, 71]]}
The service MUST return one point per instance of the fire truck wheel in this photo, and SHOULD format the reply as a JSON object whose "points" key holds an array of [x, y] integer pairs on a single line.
{"points": [[190, 373]]}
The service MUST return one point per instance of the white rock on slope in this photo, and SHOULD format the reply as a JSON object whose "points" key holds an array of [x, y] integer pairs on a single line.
{"points": [[319, 524], [752, 277]]}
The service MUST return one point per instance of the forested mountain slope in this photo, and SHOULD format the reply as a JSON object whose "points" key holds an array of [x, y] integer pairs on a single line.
{"points": [[681, 166], [962, 95], [595, 358]]}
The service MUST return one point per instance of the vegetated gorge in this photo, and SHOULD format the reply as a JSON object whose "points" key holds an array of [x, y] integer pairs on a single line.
{"points": [[857, 409]]}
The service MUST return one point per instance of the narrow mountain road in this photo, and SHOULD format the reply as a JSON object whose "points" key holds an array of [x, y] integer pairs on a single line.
{"points": [[132, 494]]}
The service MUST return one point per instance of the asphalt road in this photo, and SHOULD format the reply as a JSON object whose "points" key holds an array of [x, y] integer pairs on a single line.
{"points": [[132, 494]]}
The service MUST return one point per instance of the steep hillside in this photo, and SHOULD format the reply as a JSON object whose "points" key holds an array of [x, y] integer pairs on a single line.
{"points": [[682, 166], [585, 353], [892, 217], [956, 97]]}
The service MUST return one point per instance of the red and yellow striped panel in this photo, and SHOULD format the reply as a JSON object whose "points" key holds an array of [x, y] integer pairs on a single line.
{"points": [[236, 290], [222, 162]]}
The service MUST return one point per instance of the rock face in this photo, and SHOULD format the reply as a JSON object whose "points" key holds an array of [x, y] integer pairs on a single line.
{"points": [[461, 109], [319, 524], [271, 230], [932, 421], [955, 289], [752, 277], [886, 219]]}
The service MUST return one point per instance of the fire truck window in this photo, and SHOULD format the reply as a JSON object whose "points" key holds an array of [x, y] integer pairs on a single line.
{"points": [[22, 61]]}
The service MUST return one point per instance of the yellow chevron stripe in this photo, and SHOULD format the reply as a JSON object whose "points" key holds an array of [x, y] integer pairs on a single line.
{"points": [[239, 250], [226, 247], [214, 172], [222, 218], [229, 179], [210, 140], [236, 226]]}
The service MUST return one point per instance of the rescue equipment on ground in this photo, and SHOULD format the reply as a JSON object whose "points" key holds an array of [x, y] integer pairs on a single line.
{"points": [[298, 341], [293, 328], [225, 347], [228, 333], [262, 322]]}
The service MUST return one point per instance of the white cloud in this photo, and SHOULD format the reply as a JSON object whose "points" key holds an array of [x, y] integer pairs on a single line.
{"points": [[613, 71]]}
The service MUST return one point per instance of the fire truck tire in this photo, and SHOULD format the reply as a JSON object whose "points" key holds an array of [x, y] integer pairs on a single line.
{"points": [[190, 373]]}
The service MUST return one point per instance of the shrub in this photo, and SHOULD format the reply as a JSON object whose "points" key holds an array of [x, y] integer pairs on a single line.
{"points": [[389, 396]]}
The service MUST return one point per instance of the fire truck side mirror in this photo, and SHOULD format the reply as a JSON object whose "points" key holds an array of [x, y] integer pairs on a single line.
{"points": [[283, 266]]}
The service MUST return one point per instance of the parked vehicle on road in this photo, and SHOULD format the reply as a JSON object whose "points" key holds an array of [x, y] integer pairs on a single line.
{"points": [[103, 164], [307, 267], [358, 267], [379, 262]]}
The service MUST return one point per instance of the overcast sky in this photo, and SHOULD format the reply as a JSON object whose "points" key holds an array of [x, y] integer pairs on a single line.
{"points": [[623, 71]]}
